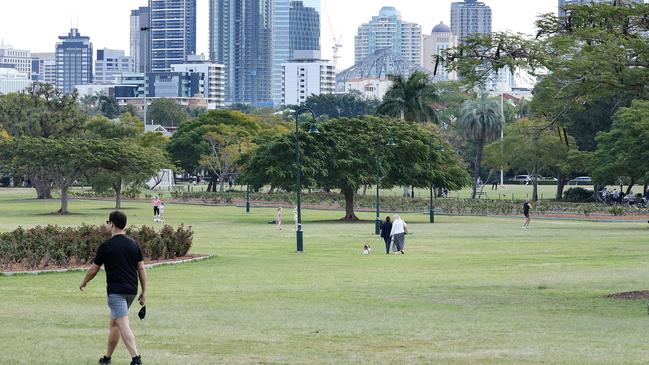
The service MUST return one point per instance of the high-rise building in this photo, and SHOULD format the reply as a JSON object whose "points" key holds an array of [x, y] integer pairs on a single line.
{"points": [[44, 67], [140, 39], [304, 75], [295, 27], [241, 38], [388, 30], [304, 24], [173, 32], [470, 17], [563, 3], [73, 61], [18, 59], [439, 39], [110, 64]]}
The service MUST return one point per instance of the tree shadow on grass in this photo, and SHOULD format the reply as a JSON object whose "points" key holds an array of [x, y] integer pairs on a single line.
{"points": [[55, 214]]}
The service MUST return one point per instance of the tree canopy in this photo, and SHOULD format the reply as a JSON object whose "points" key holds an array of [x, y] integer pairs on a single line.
{"points": [[343, 156], [411, 98]]}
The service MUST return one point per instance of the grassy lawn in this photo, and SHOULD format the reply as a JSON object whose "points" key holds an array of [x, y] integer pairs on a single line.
{"points": [[470, 290]]}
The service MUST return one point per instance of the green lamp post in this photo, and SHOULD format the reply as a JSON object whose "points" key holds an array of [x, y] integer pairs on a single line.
{"points": [[313, 129]]}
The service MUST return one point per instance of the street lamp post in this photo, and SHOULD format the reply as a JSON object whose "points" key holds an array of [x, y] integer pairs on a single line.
{"points": [[431, 206], [377, 222], [298, 183]]}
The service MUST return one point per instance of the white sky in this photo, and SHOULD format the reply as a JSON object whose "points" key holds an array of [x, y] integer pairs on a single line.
{"points": [[36, 24]]}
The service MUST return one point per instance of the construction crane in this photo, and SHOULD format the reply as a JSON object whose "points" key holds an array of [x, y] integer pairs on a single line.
{"points": [[338, 40]]}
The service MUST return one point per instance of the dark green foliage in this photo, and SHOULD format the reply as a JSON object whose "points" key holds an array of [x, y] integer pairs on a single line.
{"points": [[412, 98], [167, 113], [578, 195], [42, 247], [349, 105]]}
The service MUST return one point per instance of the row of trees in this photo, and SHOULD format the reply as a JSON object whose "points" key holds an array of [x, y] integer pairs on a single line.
{"points": [[590, 101], [54, 142]]}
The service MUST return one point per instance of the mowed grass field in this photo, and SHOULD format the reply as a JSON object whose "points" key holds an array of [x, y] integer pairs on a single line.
{"points": [[469, 290]]}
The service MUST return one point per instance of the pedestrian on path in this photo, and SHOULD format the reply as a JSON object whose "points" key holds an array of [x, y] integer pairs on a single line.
{"points": [[123, 261]]}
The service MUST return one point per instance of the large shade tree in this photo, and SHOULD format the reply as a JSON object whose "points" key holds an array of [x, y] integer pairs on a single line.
{"points": [[480, 122], [411, 98], [342, 156]]}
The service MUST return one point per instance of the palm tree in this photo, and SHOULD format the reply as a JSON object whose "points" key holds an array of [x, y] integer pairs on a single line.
{"points": [[480, 121], [411, 99]]}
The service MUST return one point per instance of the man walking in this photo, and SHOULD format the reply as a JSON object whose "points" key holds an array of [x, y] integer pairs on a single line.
{"points": [[122, 259]]}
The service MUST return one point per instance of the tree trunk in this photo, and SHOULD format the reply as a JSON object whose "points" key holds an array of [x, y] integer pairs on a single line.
{"points": [[64, 200], [349, 205], [222, 184], [630, 187], [535, 189], [476, 167], [117, 187], [42, 186], [644, 188], [561, 184]]}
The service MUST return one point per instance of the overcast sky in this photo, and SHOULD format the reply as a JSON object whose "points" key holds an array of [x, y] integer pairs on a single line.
{"points": [[36, 24]]}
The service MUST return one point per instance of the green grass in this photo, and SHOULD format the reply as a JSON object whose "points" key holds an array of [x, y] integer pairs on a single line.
{"points": [[470, 290]]}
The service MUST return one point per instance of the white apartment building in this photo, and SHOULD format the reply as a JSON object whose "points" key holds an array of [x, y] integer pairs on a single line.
{"points": [[19, 59], [439, 40], [12, 81], [211, 79], [110, 65], [304, 75], [388, 30]]}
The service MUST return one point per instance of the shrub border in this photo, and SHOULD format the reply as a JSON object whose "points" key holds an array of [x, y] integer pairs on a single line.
{"points": [[73, 269]]}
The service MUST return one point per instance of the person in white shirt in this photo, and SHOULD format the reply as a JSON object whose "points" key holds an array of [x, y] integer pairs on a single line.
{"points": [[398, 234]]}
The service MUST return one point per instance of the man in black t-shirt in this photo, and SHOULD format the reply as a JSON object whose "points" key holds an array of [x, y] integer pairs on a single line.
{"points": [[526, 212], [122, 259]]}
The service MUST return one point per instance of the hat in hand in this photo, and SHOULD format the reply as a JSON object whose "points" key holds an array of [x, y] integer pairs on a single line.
{"points": [[142, 312]]}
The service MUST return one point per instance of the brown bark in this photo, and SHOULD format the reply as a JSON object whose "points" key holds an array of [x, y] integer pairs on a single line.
{"points": [[561, 183], [349, 205], [42, 186], [64, 201]]}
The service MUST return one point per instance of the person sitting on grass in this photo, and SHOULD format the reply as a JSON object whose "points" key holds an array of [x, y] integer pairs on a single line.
{"points": [[123, 261]]}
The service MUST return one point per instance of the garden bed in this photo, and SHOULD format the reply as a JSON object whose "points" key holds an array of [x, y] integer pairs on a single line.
{"points": [[20, 269]]}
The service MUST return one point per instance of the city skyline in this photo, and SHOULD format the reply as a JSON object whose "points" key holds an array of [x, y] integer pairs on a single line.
{"points": [[108, 26]]}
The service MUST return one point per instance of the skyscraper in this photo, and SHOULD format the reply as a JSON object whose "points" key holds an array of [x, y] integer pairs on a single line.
{"points": [[304, 24], [470, 17], [388, 30], [295, 27], [173, 32], [44, 67], [110, 65], [241, 39], [562, 3], [73, 61], [140, 39]]}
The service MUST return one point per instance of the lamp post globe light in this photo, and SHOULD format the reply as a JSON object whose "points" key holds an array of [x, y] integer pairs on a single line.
{"points": [[377, 222], [313, 129]]}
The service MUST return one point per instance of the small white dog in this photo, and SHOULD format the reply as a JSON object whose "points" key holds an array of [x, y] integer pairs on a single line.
{"points": [[367, 249]]}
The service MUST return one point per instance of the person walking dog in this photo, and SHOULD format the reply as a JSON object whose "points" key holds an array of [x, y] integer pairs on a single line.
{"points": [[398, 234], [123, 261], [386, 228]]}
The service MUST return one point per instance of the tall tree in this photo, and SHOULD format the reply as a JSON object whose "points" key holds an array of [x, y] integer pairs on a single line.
{"points": [[348, 105], [530, 147], [481, 122], [343, 156], [411, 99], [62, 160], [166, 112], [43, 111]]}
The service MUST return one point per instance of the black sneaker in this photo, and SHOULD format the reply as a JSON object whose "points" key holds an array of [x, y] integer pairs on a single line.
{"points": [[136, 360], [104, 360]]}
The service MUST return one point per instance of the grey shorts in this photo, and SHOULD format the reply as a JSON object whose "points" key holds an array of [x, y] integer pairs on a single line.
{"points": [[119, 304]]}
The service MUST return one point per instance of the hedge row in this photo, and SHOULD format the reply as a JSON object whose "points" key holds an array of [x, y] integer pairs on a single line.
{"points": [[40, 247]]}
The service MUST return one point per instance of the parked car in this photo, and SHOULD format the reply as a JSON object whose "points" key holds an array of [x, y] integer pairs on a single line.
{"points": [[521, 178], [581, 180]]}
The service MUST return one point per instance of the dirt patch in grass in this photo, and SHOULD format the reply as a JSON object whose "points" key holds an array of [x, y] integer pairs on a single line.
{"points": [[630, 295]]}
